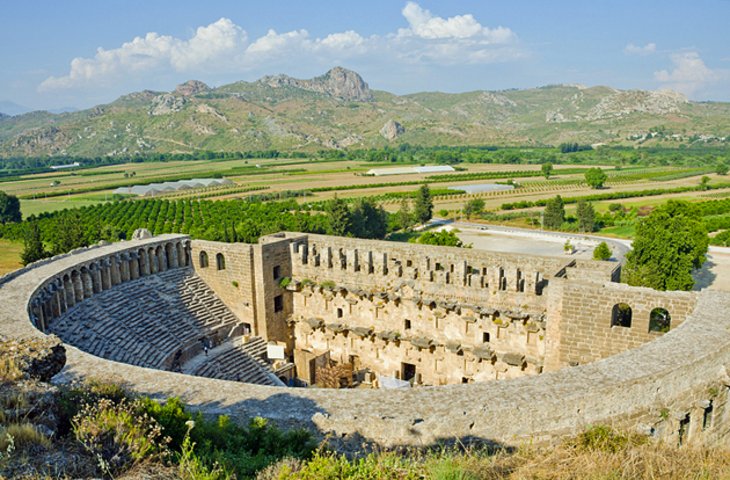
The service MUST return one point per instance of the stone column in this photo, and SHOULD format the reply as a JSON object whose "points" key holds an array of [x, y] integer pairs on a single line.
{"points": [[133, 266], [106, 274], [162, 258], [95, 277], [78, 287], [144, 263], [88, 286], [124, 266], [154, 265], [68, 287], [116, 275]]}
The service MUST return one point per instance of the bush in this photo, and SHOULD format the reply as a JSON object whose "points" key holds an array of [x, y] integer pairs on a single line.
{"points": [[602, 438], [118, 434], [602, 252], [73, 398]]}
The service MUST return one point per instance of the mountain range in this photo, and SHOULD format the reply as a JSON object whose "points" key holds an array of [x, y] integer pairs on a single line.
{"points": [[339, 110]]}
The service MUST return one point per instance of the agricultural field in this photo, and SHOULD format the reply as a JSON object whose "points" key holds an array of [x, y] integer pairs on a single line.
{"points": [[309, 183]]}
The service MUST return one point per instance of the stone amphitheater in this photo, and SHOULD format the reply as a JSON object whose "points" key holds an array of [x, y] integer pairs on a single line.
{"points": [[482, 346]]}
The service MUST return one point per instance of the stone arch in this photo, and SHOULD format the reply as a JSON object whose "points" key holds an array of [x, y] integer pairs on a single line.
{"points": [[659, 320], [220, 261], [621, 315], [203, 259]]}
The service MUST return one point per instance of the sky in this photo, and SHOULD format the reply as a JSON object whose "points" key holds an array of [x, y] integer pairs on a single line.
{"points": [[82, 53]]}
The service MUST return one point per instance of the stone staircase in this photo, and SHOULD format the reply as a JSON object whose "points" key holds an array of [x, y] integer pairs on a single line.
{"points": [[245, 362]]}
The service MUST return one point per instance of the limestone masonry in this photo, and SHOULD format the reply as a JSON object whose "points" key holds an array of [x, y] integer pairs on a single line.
{"points": [[499, 347]]}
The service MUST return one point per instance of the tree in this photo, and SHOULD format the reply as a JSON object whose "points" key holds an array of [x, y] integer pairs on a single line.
{"points": [[668, 246], [721, 168], [423, 208], [586, 216], [602, 252], [554, 214], [32, 245], [473, 207], [69, 233], [595, 177], [705, 183], [444, 238], [340, 221], [9, 208], [547, 169], [368, 220], [404, 215]]}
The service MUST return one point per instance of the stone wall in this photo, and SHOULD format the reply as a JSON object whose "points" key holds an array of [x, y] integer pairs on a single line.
{"points": [[234, 283], [674, 388], [585, 320]]}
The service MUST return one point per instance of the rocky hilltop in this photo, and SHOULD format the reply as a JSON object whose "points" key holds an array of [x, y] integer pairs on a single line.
{"points": [[339, 110], [338, 83]]}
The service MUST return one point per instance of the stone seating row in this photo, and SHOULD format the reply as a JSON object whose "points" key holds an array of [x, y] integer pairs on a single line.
{"points": [[146, 321], [242, 363]]}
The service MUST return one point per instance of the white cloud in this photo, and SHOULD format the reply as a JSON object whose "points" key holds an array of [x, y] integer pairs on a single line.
{"points": [[224, 47], [153, 51], [424, 24], [688, 75], [647, 49]]}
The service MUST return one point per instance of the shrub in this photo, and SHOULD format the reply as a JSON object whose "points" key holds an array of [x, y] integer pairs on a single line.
{"points": [[118, 434], [284, 282], [9, 368], [91, 391], [602, 438], [602, 252]]}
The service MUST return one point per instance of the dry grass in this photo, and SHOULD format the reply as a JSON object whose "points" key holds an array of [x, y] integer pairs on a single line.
{"points": [[21, 435], [10, 256], [9, 368]]}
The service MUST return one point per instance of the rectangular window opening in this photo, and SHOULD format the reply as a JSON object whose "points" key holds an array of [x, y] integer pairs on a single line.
{"points": [[278, 303]]}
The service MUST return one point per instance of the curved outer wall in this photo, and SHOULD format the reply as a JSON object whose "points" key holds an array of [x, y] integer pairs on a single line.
{"points": [[674, 387]]}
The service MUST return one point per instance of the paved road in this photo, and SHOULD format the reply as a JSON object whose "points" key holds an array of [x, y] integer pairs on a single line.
{"points": [[619, 247]]}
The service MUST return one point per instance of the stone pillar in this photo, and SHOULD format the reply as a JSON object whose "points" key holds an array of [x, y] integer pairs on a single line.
{"points": [[106, 274], [68, 286], [161, 259], [116, 275], [96, 278], [381, 263], [133, 266], [327, 257], [460, 273], [124, 267], [188, 253], [78, 287], [144, 263], [170, 256], [154, 266], [352, 260], [87, 284], [62, 297]]}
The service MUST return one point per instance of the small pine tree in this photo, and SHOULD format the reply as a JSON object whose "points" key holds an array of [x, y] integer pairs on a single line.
{"points": [[586, 216], [602, 252], [340, 221], [554, 214], [404, 215], [423, 209]]}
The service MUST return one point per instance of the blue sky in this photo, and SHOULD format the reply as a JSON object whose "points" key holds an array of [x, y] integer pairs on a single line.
{"points": [[81, 53]]}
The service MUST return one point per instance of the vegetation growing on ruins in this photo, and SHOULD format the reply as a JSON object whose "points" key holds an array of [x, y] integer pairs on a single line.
{"points": [[668, 246]]}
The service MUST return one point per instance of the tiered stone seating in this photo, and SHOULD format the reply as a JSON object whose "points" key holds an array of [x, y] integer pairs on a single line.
{"points": [[239, 362], [146, 321]]}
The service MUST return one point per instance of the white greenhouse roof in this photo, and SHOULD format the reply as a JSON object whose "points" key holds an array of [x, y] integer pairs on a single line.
{"points": [[153, 189], [406, 170]]}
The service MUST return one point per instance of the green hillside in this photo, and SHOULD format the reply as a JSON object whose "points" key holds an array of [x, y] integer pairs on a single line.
{"points": [[338, 110]]}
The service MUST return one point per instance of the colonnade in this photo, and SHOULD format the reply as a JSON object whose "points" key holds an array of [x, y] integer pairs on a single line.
{"points": [[84, 280]]}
